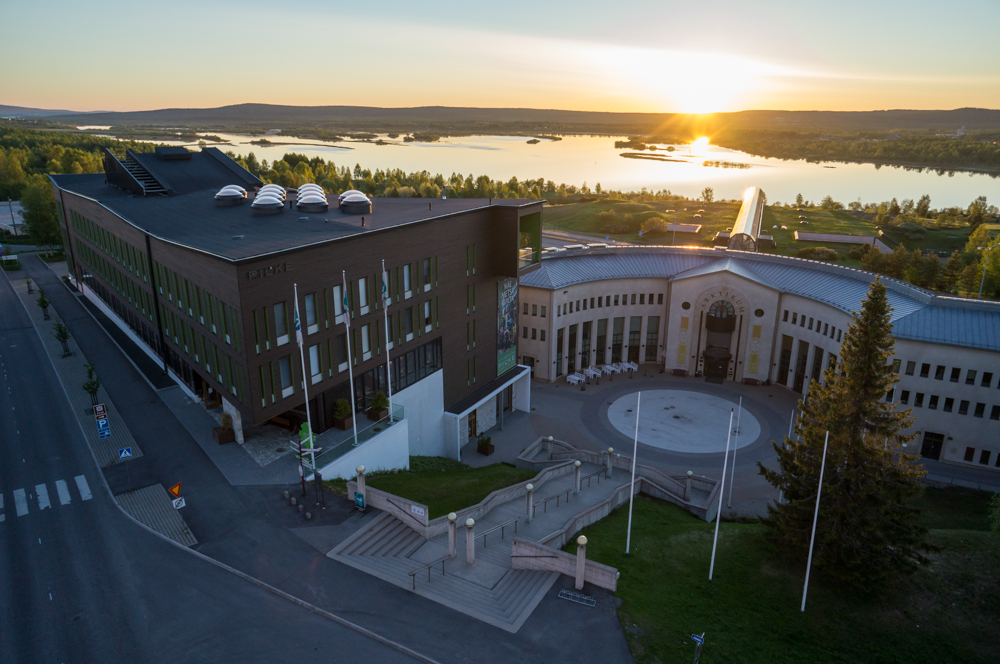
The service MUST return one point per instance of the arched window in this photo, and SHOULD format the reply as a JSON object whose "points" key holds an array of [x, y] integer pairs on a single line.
{"points": [[722, 309]]}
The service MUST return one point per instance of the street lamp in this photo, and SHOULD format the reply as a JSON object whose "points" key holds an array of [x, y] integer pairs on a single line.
{"points": [[986, 264]]}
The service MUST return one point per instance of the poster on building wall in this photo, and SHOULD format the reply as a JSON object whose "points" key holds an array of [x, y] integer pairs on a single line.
{"points": [[506, 324]]}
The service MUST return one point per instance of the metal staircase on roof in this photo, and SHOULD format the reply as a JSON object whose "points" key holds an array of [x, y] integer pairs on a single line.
{"points": [[129, 174]]}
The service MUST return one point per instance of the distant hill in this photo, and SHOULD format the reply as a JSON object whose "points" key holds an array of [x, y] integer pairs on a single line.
{"points": [[24, 112], [458, 118]]}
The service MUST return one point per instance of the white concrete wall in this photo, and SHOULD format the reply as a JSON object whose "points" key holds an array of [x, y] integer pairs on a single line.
{"points": [[423, 408], [387, 451]]}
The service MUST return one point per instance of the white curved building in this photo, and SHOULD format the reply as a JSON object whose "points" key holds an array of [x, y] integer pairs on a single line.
{"points": [[761, 318]]}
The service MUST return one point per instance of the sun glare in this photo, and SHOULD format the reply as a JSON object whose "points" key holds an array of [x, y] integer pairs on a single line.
{"points": [[700, 143]]}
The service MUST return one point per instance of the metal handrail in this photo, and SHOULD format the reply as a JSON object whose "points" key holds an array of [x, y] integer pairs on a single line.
{"points": [[545, 503], [428, 566], [500, 528], [597, 474]]}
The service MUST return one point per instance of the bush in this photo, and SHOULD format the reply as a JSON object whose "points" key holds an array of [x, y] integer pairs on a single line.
{"points": [[912, 231], [226, 422], [656, 224], [341, 409], [380, 401], [614, 224], [818, 253]]}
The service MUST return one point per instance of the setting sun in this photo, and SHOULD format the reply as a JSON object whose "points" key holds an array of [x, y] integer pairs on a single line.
{"points": [[700, 142]]}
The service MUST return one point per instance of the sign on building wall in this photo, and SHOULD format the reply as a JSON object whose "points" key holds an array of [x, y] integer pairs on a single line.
{"points": [[682, 348], [506, 324], [754, 349]]}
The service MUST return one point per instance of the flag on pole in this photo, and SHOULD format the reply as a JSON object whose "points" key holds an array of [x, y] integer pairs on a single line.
{"points": [[298, 323], [386, 298]]}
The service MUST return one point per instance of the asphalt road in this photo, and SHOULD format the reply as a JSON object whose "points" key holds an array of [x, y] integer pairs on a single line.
{"points": [[80, 582]]}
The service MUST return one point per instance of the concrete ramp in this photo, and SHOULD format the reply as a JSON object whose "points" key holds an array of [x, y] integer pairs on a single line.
{"points": [[152, 506]]}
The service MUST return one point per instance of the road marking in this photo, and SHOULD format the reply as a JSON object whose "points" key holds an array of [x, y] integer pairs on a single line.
{"points": [[20, 502], [81, 484], [63, 491], [43, 496]]}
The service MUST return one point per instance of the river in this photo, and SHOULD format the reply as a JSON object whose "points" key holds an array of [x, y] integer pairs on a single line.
{"points": [[594, 159]]}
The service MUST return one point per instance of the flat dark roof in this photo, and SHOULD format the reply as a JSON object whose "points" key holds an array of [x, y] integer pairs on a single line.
{"points": [[193, 220]]}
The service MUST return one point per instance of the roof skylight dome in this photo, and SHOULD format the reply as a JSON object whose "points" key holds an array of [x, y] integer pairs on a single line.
{"points": [[356, 203], [230, 195], [351, 192], [267, 204], [312, 202]]}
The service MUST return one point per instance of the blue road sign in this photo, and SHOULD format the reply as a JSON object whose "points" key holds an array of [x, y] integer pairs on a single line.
{"points": [[697, 639], [103, 424], [125, 453], [104, 434]]}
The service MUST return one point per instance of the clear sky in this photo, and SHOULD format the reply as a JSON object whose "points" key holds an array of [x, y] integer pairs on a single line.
{"points": [[629, 55]]}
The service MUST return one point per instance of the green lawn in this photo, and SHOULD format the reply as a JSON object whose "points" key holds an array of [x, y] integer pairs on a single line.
{"points": [[448, 486], [585, 218], [750, 611]]}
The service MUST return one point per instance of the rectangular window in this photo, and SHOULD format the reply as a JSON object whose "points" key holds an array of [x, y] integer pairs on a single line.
{"points": [[592, 303], [889, 395], [802, 321], [980, 410], [987, 379], [633, 298], [542, 335], [970, 453], [312, 323], [525, 308], [607, 301], [366, 342], [534, 333], [285, 371], [949, 403], [895, 366], [584, 304], [939, 372], [785, 317], [534, 310], [963, 407], [925, 370], [427, 316], [315, 366], [407, 285], [340, 348], [956, 373], [408, 323], [919, 401], [933, 403], [363, 295], [427, 274], [577, 306], [543, 311], [995, 413], [659, 298], [652, 337], [468, 339], [984, 457], [642, 298], [559, 350], [970, 378], [839, 335], [281, 323], [338, 304], [826, 330], [616, 300], [910, 366], [904, 397], [810, 323]]}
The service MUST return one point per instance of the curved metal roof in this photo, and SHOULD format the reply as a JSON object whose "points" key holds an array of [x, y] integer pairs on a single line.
{"points": [[917, 314]]}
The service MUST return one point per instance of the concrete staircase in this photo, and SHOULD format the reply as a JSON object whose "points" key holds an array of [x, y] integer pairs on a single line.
{"points": [[383, 549]]}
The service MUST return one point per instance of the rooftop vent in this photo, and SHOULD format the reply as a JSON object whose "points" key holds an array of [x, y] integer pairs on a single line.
{"points": [[266, 203], [173, 153], [356, 203], [230, 195]]}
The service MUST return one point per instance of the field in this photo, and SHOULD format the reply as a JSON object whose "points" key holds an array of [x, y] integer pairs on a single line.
{"points": [[750, 612], [716, 217]]}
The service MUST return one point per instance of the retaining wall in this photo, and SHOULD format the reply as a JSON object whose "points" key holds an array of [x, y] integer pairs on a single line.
{"points": [[532, 556]]}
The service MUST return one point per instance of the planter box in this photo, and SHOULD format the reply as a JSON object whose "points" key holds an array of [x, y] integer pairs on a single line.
{"points": [[223, 436], [485, 450], [376, 415], [343, 424]]}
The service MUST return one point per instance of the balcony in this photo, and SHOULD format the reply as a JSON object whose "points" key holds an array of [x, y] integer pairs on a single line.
{"points": [[335, 443]]}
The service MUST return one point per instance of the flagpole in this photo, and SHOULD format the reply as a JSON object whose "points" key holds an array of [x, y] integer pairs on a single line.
{"points": [[635, 453], [305, 382], [736, 443], [812, 538], [722, 489], [386, 300], [350, 358]]}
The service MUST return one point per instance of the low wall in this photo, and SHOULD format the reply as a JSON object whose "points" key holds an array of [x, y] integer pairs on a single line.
{"points": [[843, 239], [533, 556], [388, 450], [411, 513]]}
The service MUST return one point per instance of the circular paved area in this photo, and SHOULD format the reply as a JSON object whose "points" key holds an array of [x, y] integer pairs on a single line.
{"points": [[682, 421]]}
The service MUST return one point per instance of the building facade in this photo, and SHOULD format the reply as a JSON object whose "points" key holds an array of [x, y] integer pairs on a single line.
{"points": [[765, 319], [208, 289]]}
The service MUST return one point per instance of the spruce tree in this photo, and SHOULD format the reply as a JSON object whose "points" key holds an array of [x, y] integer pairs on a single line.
{"points": [[867, 532]]}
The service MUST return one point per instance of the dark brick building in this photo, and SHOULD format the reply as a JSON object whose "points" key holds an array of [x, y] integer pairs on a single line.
{"points": [[207, 287]]}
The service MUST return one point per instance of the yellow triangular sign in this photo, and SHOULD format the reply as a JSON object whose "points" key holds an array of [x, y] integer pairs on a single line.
{"points": [[176, 490]]}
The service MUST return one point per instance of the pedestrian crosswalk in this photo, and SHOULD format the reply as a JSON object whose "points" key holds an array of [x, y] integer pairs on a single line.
{"points": [[23, 498]]}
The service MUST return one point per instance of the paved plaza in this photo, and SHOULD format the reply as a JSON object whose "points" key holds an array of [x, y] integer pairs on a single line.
{"points": [[684, 421]]}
